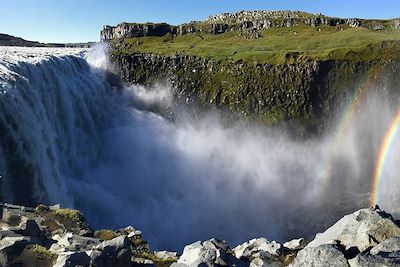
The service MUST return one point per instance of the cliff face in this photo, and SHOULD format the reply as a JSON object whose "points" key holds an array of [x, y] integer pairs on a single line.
{"points": [[8, 40], [305, 91], [251, 64]]}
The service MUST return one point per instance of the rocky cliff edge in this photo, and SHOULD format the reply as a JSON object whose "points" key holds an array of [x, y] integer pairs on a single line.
{"points": [[52, 236]]}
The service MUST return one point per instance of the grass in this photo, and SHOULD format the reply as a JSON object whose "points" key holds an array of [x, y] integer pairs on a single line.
{"points": [[70, 214], [105, 234], [71, 218], [151, 256], [42, 251], [276, 45]]}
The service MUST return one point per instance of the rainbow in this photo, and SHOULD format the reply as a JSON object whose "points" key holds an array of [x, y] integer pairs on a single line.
{"points": [[382, 157], [345, 120]]}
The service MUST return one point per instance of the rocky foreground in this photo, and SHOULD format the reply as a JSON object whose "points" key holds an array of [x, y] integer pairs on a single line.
{"points": [[52, 236]]}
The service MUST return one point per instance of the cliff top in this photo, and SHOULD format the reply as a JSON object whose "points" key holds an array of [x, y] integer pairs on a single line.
{"points": [[252, 15], [262, 36], [272, 46]]}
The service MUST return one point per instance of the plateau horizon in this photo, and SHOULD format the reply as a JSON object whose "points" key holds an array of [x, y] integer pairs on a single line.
{"points": [[42, 20]]}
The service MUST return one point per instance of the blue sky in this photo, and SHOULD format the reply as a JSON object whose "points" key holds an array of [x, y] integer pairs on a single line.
{"points": [[81, 20]]}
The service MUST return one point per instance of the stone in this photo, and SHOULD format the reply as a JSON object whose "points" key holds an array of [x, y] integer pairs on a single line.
{"points": [[115, 252], [258, 245], [368, 260], [208, 253], [166, 255], [71, 242], [11, 218], [55, 207], [29, 227], [321, 256], [363, 229], [295, 244], [8, 233], [260, 262], [388, 246], [126, 231], [115, 244], [72, 259], [14, 245]]}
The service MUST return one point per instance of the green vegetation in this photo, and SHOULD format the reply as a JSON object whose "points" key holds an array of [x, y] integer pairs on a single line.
{"points": [[105, 234], [148, 255], [42, 251], [70, 214], [71, 218], [275, 46]]}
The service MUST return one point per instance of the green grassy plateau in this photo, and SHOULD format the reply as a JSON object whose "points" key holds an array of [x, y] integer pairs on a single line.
{"points": [[275, 46]]}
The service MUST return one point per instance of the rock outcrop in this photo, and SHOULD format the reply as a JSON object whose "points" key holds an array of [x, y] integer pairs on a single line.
{"points": [[368, 237], [240, 21], [52, 236], [58, 237]]}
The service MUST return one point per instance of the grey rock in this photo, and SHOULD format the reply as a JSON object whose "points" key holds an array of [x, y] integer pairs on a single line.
{"points": [[363, 229], [3, 259], [166, 255], [14, 245], [8, 233], [71, 242], [29, 227], [321, 256], [72, 259], [368, 260], [208, 253], [112, 253], [295, 244], [388, 246], [259, 252], [11, 218], [115, 244], [55, 207]]}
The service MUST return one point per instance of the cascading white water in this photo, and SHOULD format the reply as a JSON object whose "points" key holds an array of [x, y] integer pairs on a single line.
{"points": [[69, 136]]}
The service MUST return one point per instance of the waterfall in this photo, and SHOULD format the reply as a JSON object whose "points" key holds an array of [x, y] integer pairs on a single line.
{"points": [[69, 134]]}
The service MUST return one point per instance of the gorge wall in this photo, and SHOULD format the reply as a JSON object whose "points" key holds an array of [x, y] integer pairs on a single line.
{"points": [[303, 91], [299, 88]]}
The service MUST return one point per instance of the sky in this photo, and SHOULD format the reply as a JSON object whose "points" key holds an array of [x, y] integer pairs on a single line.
{"points": [[81, 20]]}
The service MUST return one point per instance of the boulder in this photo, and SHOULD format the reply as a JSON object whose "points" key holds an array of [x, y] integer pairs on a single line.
{"points": [[8, 233], [166, 255], [263, 259], [11, 217], [72, 259], [273, 249], [368, 260], [14, 245], [71, 242], [208, 253], [295, 244], [112, 253], [260, 252], [115, 244], [388, 246], [29, 227], [362, 230], [321, 256]]}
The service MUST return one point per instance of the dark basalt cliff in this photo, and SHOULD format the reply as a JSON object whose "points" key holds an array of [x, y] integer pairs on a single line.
{"points": [[304, 91], [8, 40]]}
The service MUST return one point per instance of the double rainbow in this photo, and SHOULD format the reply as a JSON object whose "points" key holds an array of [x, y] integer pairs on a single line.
{"points": [[383, 154], [345, 121]]}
